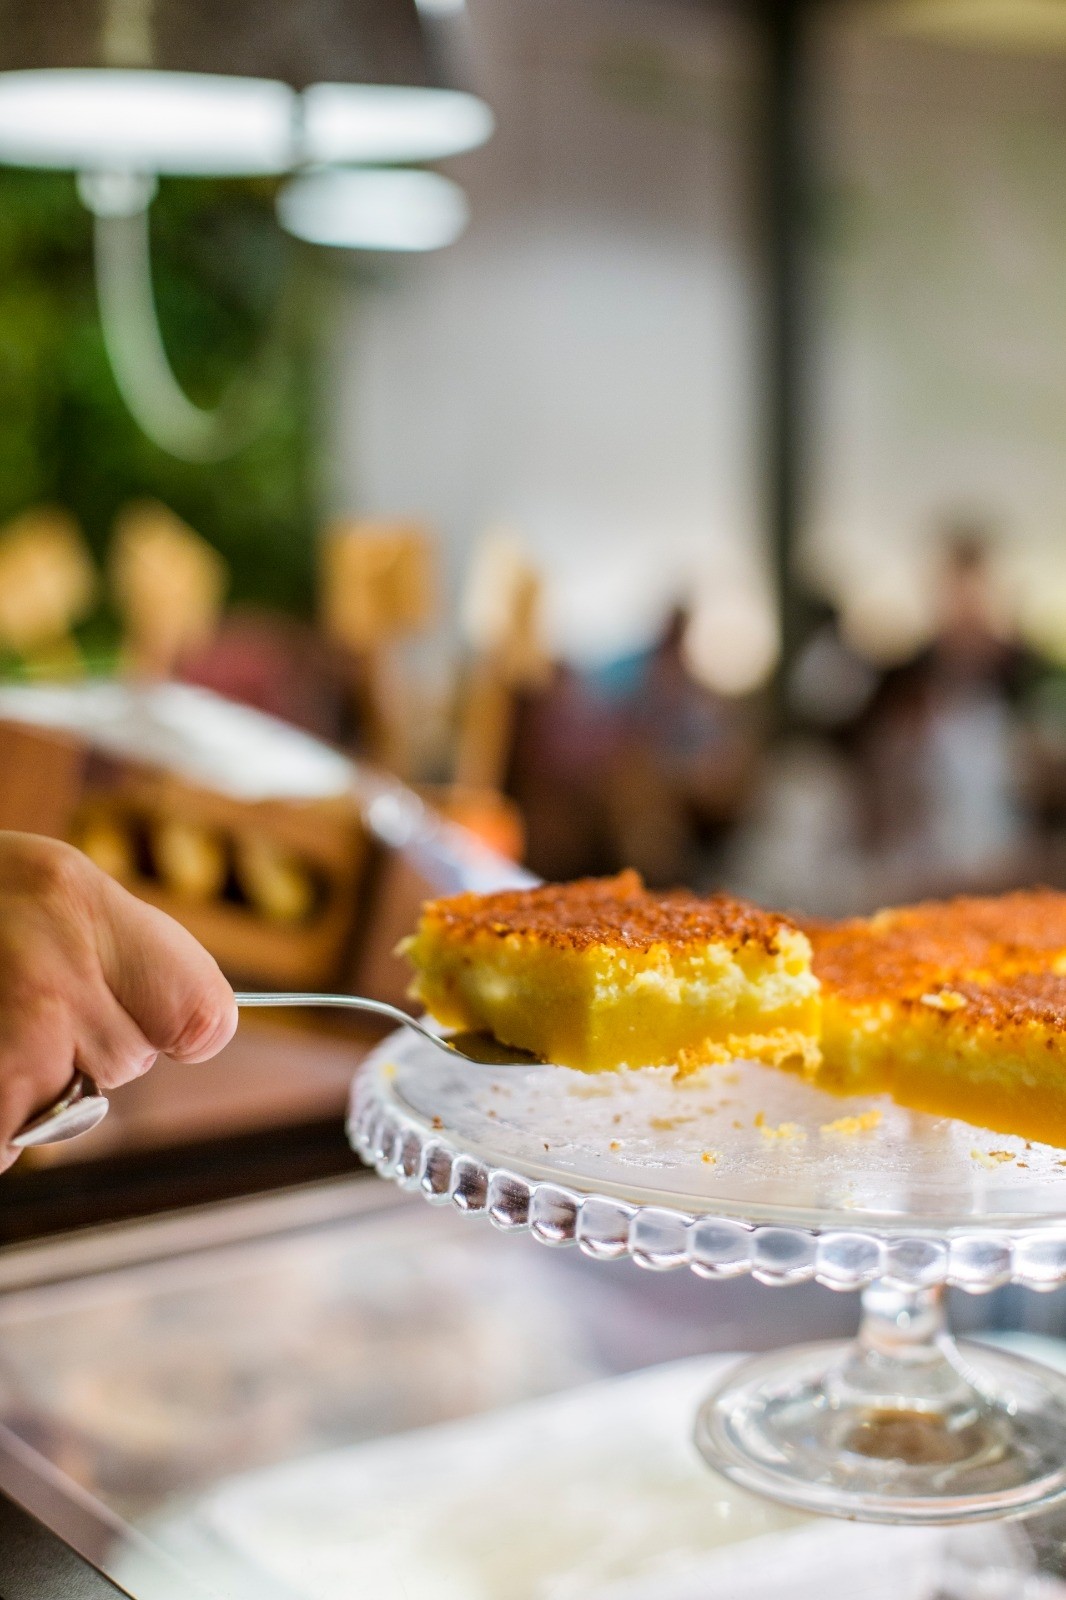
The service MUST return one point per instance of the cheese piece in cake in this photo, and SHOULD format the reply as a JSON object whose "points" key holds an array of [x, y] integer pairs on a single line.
{"points": [[603, 973], [955, 1007]]}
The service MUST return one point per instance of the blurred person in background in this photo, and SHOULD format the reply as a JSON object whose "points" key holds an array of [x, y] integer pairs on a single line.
{"points": [[566, 740], [637, 764], [922, 779], [940, 749], [800, 842], [830, 685], [684, 769]]}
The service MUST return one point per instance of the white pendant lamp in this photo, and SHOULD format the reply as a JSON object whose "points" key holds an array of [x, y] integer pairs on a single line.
{"points": [[383, 208], [120, 91]]}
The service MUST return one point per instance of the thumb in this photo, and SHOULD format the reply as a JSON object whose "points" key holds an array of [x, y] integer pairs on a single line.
{"points": [[161, 975]]}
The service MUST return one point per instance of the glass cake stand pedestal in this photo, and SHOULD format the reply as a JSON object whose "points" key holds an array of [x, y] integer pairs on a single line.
{"points": [[742, 1169]]}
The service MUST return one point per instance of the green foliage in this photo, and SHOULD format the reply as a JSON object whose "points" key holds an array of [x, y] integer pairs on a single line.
{"points": [[65, 434]]}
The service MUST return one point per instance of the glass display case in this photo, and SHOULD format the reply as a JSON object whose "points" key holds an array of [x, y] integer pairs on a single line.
{"points": [[336, 1390]]}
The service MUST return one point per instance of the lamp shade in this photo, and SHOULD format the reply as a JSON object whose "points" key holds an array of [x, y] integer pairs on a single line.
{"points": [[202, 87], [368, 209]]}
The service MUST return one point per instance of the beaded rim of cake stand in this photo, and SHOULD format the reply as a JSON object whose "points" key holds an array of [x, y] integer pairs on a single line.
{"points": [[975, 1260]]}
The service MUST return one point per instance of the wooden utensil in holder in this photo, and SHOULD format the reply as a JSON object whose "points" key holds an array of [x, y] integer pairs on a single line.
{"points": [[376, 587], [48, 584], [169, 586], [503, 623]]}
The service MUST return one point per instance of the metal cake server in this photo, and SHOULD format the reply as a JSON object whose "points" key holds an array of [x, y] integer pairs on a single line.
{"points": [[481, 1049], [81, 1106]]}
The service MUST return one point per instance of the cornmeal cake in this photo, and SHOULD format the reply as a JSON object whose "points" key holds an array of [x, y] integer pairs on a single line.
{"points": [[602, 973], [955, 1007]]}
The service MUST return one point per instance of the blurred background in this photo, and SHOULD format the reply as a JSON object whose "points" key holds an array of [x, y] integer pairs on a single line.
{"points": [[656, 464], [458, 441], [717, 462]]}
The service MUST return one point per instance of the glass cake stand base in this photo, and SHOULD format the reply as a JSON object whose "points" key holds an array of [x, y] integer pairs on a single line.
{"points": [[903, 1425], [745, 1169]]}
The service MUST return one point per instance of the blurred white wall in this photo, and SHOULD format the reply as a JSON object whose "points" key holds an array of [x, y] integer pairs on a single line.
{"points": [[940, 292], [580, 367]]}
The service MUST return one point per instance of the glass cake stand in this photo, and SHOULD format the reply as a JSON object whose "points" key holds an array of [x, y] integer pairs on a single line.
{"points": [[743, 1169]]}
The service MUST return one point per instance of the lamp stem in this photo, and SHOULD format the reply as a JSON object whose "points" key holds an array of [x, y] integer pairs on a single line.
{"points": [[134, 341]]}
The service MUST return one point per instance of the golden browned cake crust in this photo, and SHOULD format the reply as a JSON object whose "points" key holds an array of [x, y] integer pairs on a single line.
{"points": [[1037, 998], [617, 913], [910, 950]]}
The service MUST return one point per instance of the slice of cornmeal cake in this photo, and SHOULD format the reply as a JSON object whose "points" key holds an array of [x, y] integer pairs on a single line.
{"points": [[603, 973], [955, 1007]]}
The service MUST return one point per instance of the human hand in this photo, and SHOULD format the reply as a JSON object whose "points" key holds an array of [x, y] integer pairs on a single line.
{"points": [[92, 979]]}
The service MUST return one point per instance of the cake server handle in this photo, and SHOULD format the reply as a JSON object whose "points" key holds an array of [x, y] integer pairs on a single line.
{"points": [[480, 1049]]}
